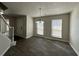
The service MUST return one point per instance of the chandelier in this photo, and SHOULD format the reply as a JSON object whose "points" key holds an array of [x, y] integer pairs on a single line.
{"points": [[40, 19]]}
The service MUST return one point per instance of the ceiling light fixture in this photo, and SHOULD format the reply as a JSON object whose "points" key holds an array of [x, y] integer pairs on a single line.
{"points": [[1, 11], [40, 19]]}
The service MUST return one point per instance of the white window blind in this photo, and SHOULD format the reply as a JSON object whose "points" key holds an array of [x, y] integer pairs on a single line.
{"points": [[57, 28]]}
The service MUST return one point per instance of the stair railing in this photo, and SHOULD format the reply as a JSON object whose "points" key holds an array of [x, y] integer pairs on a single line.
{"points": [[11, 29]]}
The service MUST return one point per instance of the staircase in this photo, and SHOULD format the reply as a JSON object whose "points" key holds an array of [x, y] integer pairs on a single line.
{"points": [[6, 41], [5, 44], [11, 30]]}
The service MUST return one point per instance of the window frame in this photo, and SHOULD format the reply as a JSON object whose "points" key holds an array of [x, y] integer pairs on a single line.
{"points": [[61, 29], [37, 29]]}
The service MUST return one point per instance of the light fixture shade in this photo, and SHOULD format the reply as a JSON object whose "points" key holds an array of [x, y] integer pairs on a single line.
{"points": [[1, 11], [39, 22]]}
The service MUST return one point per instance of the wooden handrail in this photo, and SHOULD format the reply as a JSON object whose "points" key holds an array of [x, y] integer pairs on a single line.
{"points": [[5, 21]]}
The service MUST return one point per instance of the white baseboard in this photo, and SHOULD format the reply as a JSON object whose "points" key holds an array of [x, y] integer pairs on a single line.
{"points": [[5, 50], [56, 39], [53, 39], [13, 43], [74, 49], [28, 36]]}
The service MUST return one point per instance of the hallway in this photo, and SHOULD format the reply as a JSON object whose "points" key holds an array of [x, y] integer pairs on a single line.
{"points": [[36, 46]]}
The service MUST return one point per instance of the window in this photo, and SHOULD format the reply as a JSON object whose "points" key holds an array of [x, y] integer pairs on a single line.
{"points": [[57, 28], [40, 27]]}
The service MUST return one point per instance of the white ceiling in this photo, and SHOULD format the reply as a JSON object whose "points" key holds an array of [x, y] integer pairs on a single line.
{"points": [[32, 8]]}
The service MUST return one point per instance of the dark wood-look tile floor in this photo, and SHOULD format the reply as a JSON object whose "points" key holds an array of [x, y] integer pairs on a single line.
{"points": [[36, 46]]}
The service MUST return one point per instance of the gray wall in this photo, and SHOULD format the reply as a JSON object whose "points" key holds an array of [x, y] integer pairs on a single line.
{"points": [[22, 21], [74, 30], [29, 27], [19, 24], [47, 26]]}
